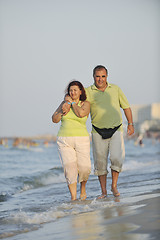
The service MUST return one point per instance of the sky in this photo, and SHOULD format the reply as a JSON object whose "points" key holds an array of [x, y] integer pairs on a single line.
{"points": [[45, 44]]}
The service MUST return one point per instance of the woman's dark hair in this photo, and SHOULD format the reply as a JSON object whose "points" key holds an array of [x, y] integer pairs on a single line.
{"points": [[79, 84], [99, 67]]}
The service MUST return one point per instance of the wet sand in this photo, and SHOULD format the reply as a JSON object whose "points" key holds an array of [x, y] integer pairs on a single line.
{"points": [[138, 221], [146, 218]]}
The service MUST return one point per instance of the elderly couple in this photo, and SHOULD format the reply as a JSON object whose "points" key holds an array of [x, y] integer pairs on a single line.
{"points": [[103, 101]]}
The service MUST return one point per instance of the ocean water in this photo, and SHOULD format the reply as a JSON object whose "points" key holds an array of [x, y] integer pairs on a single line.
{"points": [[33, 190]]}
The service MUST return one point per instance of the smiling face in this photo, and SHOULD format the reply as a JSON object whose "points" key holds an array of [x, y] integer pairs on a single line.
{"points": [[75, 92], [100, 79]]}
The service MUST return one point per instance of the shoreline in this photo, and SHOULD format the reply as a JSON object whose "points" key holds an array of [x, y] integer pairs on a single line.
{"points": [[135, 221]]}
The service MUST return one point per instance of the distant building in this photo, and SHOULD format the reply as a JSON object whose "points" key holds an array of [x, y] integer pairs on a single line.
{"points": [[146, 117], [142, 113]]}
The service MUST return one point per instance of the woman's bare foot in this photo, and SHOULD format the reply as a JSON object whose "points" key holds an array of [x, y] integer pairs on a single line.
{"points": [[73, 191], [73, 199], [83, 194], [83, 197]]}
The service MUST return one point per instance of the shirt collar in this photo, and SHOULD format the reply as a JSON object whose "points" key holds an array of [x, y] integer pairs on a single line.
{"points": [[95, 88]]}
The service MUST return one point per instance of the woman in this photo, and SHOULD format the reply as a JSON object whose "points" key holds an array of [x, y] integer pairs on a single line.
{"points": [[73, 138]]}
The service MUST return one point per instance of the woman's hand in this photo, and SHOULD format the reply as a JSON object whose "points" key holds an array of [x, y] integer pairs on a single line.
{"points": [[66, 108], [68, 99]]}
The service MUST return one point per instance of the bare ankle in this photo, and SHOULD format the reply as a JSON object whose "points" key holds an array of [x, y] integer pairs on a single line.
{"points": [[104, 192], [73, 198]]}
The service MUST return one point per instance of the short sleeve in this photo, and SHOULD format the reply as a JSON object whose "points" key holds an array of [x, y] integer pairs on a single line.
{"points": [[123, 100]]}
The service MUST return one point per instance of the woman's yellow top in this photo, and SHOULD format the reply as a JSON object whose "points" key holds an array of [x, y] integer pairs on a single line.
{"points": [[71, 125]]}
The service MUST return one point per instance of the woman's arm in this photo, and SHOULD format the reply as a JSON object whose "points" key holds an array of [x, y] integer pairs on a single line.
{"points": [[57, 115], [81, 111]]}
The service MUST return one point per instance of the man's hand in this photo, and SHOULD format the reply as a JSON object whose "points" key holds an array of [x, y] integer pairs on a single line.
{"points": [[130, 130]]}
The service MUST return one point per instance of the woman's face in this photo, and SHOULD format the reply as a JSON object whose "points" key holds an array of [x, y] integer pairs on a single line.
{"points": [[75, 92]]}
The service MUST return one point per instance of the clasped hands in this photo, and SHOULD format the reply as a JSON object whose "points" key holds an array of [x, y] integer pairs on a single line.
{"points": [[66, 107]]}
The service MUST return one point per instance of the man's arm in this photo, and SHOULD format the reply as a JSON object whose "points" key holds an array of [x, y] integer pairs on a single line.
{"points": [[128, 114], [82, 111]]}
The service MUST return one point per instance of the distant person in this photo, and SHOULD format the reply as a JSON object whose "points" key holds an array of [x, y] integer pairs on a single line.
{"points": [[139, 140], [107, 133], [73, 138]]}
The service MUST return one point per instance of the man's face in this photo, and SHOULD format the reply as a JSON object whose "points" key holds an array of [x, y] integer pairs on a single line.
{"points": [[100, 79]]}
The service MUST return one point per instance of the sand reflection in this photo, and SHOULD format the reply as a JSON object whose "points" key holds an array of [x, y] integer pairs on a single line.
{"points": [[99, 225]]}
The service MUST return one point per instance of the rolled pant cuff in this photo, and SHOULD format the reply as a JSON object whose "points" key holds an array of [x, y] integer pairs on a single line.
{"points": [[100, 173], [117, 169]]}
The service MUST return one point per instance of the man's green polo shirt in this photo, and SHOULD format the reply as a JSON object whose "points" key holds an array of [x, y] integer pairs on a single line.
{"points": [[105, 106]]}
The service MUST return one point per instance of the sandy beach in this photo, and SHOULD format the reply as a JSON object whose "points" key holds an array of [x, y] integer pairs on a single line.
{"points": [[138, 221]]}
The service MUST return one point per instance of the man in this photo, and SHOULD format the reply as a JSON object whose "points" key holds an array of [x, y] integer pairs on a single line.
{"points": [[107, 132]]}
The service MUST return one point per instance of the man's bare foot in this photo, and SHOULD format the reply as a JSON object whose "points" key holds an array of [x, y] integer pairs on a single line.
{"points": [[102, 196], [115, 192]]}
